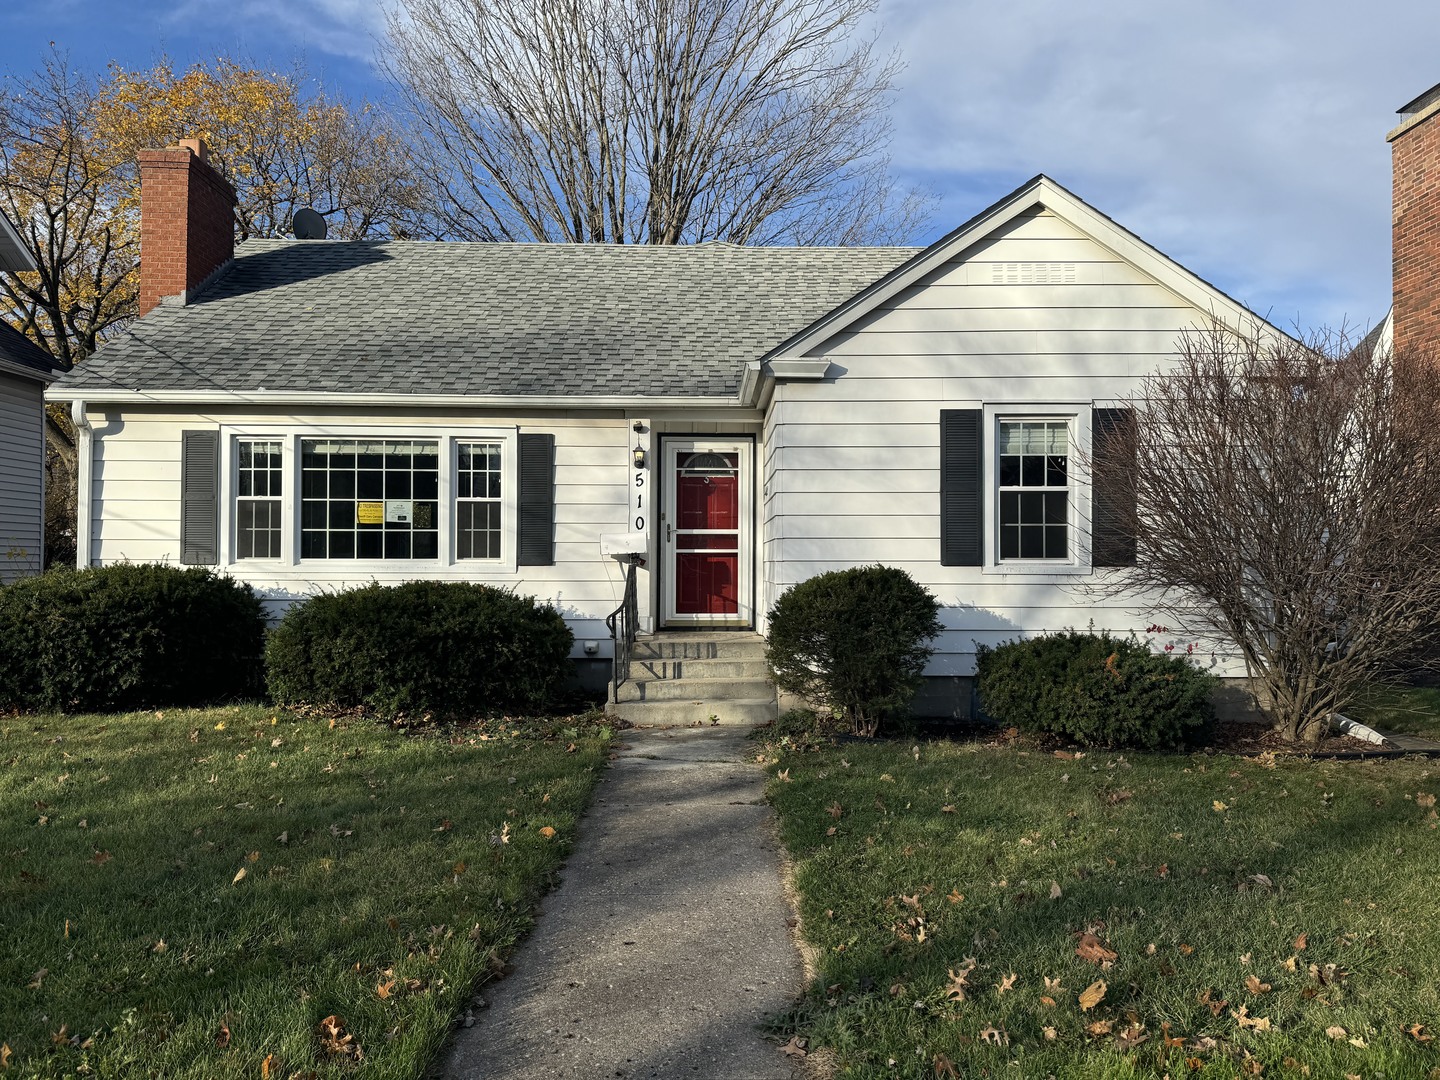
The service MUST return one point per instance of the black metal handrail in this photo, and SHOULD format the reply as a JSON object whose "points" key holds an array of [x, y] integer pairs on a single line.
{"points": [[622, 623]]}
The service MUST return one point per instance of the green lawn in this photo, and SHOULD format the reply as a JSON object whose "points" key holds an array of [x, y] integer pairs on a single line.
{"points": [[1406, 710], [1250, 906], [192, 893]]}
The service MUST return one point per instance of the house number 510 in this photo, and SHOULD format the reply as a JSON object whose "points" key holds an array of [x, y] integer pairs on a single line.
{"points": [[639, 501]]}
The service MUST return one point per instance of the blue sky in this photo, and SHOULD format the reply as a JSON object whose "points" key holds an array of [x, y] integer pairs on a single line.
{"points": [[1245, 139]]}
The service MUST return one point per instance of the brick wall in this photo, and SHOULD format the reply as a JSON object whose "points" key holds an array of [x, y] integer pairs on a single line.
{"points": [[1415, 210], [187, 226]]}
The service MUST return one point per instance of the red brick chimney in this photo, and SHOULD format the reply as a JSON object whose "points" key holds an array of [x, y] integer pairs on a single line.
{"points": [[187, 224], [1415, 217]]}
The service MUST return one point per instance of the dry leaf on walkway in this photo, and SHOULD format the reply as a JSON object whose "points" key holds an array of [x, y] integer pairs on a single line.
{"points": [[1092, 995], [795, 1047]]}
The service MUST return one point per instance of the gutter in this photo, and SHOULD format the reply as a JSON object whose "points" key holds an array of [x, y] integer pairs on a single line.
{"points": [[392, 401], [83, 452]]}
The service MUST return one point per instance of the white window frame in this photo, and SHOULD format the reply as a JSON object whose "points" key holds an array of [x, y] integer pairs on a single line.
{"points": [[1077, 417], [449, 438], [235, 496]]}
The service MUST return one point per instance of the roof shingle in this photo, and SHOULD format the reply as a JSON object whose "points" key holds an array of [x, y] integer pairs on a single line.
{"points": [[410, 317]]}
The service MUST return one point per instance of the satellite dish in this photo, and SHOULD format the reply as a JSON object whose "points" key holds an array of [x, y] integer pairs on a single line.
{"points": [[309, 225]]}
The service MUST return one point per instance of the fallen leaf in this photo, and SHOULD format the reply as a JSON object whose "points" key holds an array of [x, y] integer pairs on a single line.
{"points": [[1417, 1032], [269, 1067], [994, 1035], [795, 1047], [1214, 1005], [831, 831], [5, 1054], [1092, 995], [222, 1037], [335, 1040], [834, 810], [955, 991], [239, 876], [547, 832], [384, 989], [100, 858], [37, 979], [160, 946], [61, 1037], [1131, 1037], [253, 857], [1219, 806], [948, 808], [1186, 949], [1047, 1000], [444, 826], [1007, 982], [1255, 986], [1245, 1020], [1115, 798], [1098, 1028], [945, 1067], [1093, 949], [783, 775], [1049, 1033], [1424, 799], [955, 896], [1301, 942], [1055, 892]]}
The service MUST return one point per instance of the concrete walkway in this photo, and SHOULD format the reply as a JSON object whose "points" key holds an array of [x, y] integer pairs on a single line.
{"points": [[667, 942]]}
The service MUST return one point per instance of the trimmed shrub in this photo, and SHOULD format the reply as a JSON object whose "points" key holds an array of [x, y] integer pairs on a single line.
{"points": [[421, 650], [855, 640], [128, 636], [1096, 689]]}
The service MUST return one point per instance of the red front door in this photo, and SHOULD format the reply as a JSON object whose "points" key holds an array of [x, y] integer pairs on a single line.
{"points": [[706, 531]]}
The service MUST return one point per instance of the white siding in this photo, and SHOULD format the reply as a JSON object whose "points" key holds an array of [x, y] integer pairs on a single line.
{"points": [[22, 476], [135, 508], [852, 472]]}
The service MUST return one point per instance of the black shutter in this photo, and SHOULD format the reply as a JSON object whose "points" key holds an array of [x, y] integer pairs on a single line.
{"points": [[1112, 487], [962, 501], [536, 541], [199, 498]]}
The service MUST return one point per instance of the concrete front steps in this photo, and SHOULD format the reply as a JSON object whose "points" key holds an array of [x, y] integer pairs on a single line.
{"points": [[695, 676]]}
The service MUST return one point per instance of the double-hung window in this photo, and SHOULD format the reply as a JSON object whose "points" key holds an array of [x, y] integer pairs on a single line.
{"points": [[259, 487], [1033, 480], [478, 503]]}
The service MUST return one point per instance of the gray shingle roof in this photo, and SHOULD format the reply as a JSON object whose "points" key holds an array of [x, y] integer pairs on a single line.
{"points": [[16, 348], [409, 317]]}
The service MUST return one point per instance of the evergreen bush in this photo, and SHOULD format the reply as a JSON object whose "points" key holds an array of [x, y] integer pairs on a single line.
{"points": [[854, 640], [1097, 689], [424, 649], [128, 636]]}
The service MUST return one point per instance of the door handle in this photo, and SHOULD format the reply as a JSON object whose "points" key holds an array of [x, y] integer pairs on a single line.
{"points": [[667, 533]]}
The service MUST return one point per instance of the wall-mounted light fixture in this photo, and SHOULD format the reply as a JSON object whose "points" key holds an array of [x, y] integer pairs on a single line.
{"points": [[639, 457]]}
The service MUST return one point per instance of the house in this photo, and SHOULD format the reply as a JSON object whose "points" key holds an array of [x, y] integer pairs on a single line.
{"points": [[308, 415], [25, 371]]}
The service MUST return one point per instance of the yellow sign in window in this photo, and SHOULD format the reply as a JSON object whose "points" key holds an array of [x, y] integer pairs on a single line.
{"points": [[370, 513]]}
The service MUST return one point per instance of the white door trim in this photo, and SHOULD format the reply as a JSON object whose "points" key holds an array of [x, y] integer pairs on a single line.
{"points": [[673, 447]]}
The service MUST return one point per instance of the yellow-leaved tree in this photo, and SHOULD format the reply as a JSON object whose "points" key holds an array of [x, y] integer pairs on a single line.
{"points": [[69, 184]]}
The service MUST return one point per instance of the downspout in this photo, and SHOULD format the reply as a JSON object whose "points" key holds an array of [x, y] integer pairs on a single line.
{"points": [[82, 483]]}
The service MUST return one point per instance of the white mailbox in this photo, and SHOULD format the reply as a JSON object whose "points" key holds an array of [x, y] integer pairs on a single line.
{"points": [[619, 544]]}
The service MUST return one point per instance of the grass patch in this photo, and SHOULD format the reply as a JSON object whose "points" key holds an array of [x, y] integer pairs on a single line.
{"points": [[191, 893], [1405, 710], [918, 864]]}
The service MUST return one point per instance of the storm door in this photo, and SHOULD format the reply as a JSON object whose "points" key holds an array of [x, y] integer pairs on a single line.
{"points": [[707, 532]]}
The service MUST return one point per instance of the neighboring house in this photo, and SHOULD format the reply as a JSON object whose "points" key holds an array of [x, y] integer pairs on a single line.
{"points": [[25, 371], [316, 414]]}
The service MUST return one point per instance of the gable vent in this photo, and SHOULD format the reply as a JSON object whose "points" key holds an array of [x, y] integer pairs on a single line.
{"points": [[1032, 273]]}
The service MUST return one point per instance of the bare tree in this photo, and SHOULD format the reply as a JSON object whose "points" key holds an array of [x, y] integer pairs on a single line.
{"points": [[1286, 503], [653, 121]]}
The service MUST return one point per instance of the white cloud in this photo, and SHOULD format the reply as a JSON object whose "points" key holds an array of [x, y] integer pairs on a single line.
{"points": [[1245, 140], [341, 28]]}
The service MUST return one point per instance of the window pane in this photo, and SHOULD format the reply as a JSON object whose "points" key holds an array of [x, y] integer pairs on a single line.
{"points": [[477, 507], [1032, 470], [1032, 541], [1055, 470], [1032, 508], [1009, 508], [337, 475], [1009, 542], [1009, 470], [1056, 546], [1055, 504]]}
